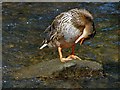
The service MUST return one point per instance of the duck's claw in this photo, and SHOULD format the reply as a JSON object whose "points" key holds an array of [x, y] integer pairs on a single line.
{"points": [[74, 57], [65, 59]]}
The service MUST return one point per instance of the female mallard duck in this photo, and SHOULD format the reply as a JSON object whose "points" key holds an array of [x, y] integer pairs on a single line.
{"points": [[69, 28]]}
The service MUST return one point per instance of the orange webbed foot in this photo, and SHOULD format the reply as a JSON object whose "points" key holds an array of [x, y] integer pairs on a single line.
{"points": [[74, 57], [65, 59]]}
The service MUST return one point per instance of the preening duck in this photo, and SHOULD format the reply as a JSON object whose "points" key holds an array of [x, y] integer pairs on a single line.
{"points": [[69, 28]]}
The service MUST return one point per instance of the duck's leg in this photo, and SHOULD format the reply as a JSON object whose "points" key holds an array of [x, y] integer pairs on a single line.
{"points": [[60, 54], [73, 56]]}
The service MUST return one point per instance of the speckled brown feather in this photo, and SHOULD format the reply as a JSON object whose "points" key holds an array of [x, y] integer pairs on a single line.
{"points": [[67, 27]]}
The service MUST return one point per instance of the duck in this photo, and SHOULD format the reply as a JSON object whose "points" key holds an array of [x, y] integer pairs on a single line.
{"points": [[68, 29]]}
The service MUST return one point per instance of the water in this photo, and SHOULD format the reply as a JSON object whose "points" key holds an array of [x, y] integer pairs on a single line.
{"points": [[22, 28]]}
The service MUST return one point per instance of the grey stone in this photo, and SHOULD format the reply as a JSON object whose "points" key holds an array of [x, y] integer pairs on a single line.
{"points": [[48, 68]]}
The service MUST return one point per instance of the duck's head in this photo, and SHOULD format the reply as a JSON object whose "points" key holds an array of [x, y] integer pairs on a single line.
{"points": [[94, 31]]}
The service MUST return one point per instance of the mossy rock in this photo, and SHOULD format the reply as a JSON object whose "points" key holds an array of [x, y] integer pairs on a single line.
{"points": [[56, 69]]}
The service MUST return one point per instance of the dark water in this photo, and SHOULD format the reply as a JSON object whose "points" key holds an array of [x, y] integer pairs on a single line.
{"points": [[22, 28]]}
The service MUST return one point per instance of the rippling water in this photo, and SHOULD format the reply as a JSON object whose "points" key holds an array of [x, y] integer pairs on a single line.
{"points": [[22, 28]]}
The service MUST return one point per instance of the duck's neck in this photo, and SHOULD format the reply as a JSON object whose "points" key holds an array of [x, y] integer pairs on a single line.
{"points": [[86, 32]]}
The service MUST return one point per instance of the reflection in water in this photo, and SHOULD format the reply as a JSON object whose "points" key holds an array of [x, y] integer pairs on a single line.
{"points": [[22, 28]]}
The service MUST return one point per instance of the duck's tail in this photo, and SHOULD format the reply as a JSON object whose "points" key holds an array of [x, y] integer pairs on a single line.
{"points": [[44, 45]]}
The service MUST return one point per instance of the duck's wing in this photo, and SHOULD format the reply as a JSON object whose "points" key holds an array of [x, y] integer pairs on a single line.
{"points": [[52, 33]]}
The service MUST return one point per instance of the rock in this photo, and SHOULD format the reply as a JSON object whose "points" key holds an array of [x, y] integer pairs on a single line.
{"points": [[55, 68], [68, 84]]}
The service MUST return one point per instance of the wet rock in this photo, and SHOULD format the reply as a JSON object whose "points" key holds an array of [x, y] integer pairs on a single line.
{"points": [[56, 69], [63, 84]]}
